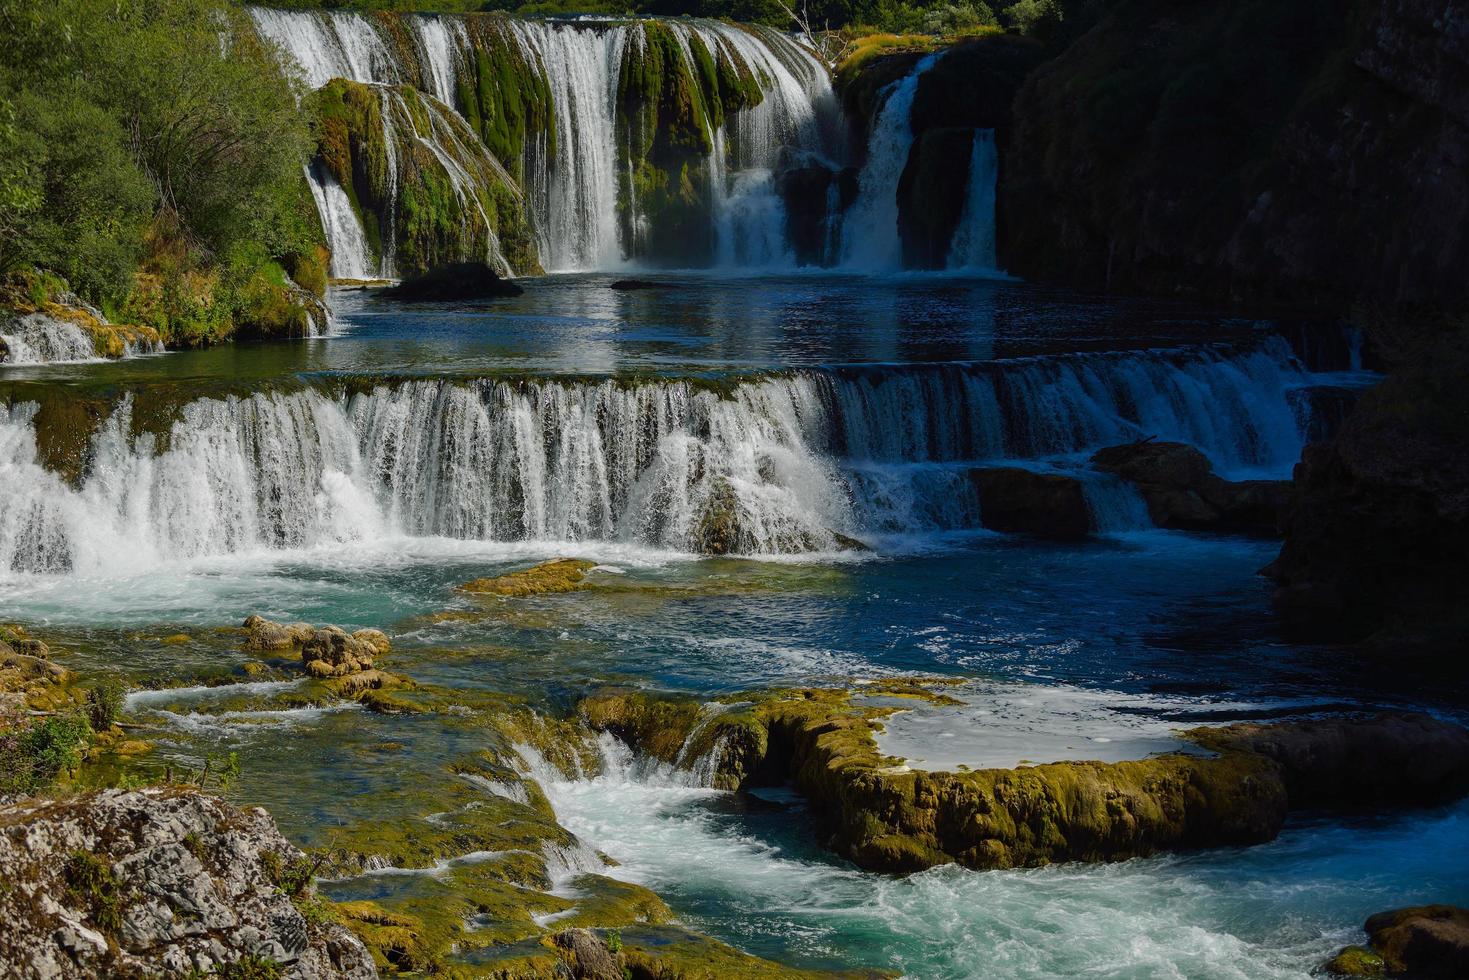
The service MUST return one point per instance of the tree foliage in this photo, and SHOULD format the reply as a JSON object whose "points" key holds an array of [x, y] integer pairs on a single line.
{"points": [[143, 131]]}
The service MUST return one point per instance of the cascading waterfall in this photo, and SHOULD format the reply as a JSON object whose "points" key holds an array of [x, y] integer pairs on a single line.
{"points": [[351, 256], [973, 246], [787, 461], [869, 236], [575, 200], [572, 190]]}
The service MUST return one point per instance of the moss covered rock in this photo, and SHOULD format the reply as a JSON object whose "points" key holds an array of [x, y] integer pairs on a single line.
{"points": [[387, 146], [557, 575]]}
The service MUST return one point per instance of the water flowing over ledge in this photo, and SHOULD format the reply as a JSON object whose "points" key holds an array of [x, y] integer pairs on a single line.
{"points": [[775, 464]]}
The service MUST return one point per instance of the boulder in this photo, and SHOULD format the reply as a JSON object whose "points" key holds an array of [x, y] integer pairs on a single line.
{"points": [[556, 575], [1428, 942], [162, 881], [588, 956], [1050, 505], [637, 285], [264, 636], [453, 283], [1182, 492], [327, 651], [333, 652]]}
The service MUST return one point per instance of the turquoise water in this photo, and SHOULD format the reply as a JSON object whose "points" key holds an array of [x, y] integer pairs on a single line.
{"points": [[1120, 635]]}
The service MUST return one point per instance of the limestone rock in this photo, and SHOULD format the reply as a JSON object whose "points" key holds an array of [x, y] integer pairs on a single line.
{"points": [[151, 882], [556, 575], [588, 956], [333, 652], [1181, 490], [265, 636], [1047, 504], [1429, 942]]}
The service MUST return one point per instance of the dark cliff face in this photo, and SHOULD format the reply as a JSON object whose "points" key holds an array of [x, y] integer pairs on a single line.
{"points": [[1378, 540], [1310, 153]]}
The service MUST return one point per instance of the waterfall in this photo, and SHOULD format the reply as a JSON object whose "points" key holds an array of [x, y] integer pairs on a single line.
{"points": [[351, 257], [973, 247], [571, 182], [869, 233], [41, 339], [787, 461], [574, 197]]}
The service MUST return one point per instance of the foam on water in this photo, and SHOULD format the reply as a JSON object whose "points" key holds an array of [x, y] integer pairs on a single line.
{"points": [[169, 695], [1274, 911]]}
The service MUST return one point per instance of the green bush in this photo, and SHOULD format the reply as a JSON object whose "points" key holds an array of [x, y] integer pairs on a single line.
{"points": [[104, 704], [34, 753]]}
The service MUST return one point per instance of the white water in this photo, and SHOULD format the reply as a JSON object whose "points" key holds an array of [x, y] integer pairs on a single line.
{"points": [[1273, 912], [351, 256], [572, 193], [574, 196], [793, 458], [973, 246], [869, 231], [38, 338]]}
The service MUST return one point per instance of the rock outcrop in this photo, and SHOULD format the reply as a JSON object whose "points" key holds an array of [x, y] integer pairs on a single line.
{"points": [[885, 816], [1176, 149], [159, 881], [1182, 491], [1377, 544], [557, 575], [326, 651], [1429, 942], [458, 282], [1049, 505]]}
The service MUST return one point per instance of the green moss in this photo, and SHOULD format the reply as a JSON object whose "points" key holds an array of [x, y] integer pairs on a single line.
{"points": [[1356, 961], [92, 881], [558, 575]]}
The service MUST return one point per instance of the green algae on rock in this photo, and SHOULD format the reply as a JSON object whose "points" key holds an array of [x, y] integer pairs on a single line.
{"points": [[427, 191], [549, 577], [885, 816]]}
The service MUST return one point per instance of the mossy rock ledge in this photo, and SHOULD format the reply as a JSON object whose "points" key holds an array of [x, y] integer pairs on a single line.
{"points": [[885, 816]]}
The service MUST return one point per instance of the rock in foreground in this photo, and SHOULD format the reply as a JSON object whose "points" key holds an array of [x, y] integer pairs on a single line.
{"points": [[161, 881], [450, 283], [1182, 491], [885, 816], [1430, 942]]}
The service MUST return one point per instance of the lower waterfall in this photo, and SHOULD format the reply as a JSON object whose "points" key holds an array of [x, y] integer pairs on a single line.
{"points": [[776, 464]]}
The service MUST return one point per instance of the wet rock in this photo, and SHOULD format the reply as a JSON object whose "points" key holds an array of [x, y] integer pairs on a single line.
{"points": [[1429, 942], [333, 652], [557, 575], [885, 816], [453, 283], [18, 639], [815, 197], [264, 636], [152, 882], [1377, 540], [1182, 492], [635, 285], [1046, 504], [588, 956], [935, 177]]}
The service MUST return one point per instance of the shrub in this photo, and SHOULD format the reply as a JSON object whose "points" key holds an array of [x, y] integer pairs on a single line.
{"points": [[104, 704]]}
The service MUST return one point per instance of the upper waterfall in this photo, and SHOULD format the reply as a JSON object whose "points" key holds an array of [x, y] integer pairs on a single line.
{"points": [[572, 110]]}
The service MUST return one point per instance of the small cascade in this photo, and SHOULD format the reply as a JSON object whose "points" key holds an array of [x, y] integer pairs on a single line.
{"points": [[869, 233], [441, 41], [973, 246], [351, 256], [1115, 505], [40, 339], [773, 465]]}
